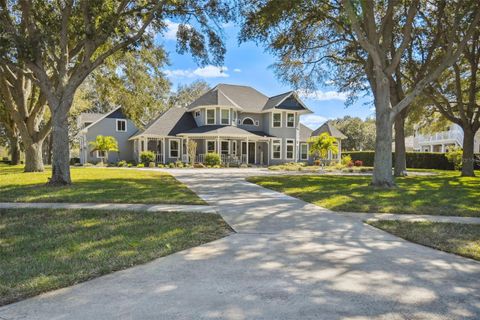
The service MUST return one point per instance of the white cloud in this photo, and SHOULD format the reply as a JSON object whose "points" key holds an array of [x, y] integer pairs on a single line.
{"points": [[329, 82], [313, 121], [171, 31], [237, 70], [320, 95], [205, 72], [228, 24]]}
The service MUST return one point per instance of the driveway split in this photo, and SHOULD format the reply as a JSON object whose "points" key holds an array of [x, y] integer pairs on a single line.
{"points": [[288, 260]]}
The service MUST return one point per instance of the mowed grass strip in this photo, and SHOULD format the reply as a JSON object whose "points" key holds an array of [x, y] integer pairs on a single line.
{"points": [[98, 185], [461, 239], [445, 193], [42, 250]]}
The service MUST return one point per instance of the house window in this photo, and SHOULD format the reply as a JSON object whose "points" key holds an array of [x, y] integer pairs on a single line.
{"points": [[257, 123], [290, 120], [100, 154], [276, 149], [121, 125], [174, 148], [210, 116], [197, 114], [248, 121], [289, 149], [225, 116], [304, 151], [211, 146], [234, 147], [224, 147], [276, 120]]}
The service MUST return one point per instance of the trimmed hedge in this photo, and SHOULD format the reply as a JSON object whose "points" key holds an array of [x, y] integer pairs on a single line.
{"points": [[420, 160]]}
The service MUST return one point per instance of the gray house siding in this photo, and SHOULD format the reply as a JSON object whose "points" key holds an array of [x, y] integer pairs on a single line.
{"points": [[255, 117], [108, 127]]}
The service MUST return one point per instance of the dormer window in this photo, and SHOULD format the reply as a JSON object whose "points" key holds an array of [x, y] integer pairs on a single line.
{"points": [[225, 116], [248, 122], [290, 120], [121, 125], [197, 114], [276, 120], [210, 115]]}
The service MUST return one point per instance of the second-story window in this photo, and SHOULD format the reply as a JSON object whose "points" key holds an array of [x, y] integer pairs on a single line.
{"points": [[225, 118], [210, 116], [290, 120], [121, 125], [276, 120], [197, 114]]}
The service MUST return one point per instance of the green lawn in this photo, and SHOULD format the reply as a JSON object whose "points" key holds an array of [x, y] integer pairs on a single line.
{"points": [[41, 250], [461, 239], [443, 194], [95, 185]]}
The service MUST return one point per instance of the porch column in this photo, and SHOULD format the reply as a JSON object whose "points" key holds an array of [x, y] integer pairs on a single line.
{"points": [[188, 152], [139, 149], [443, 148], [247, 150], [181, 149], [218, 144], [268, 152], [163, 150]]}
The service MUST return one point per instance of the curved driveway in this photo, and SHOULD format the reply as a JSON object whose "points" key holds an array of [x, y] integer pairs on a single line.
{"points": [[288, 260]]}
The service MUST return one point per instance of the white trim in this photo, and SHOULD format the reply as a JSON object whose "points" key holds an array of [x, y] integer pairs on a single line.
{"points": [[229, 117], [214, 148], [303, 144], [214, 117], [281, 118], [289, 142], [294, 120], [273, 144], [228, 148], [116, 125], [170, 148], [246, 124], [97, 155]]}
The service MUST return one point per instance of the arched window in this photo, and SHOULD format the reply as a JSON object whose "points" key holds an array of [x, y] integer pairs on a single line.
{"points": [[248, 121]]}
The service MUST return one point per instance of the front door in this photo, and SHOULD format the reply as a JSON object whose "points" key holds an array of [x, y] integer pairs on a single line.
{"points": [[251, 151]]}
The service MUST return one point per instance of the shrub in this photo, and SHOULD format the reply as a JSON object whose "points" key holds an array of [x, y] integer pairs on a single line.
{"points": [[317, 162], [346, 160], [161, 165], [151, 164], [212, 159], [358, 163], [198, 165], [420, 160], [454, 156], [122, 163], [146, 157], [74, 161], [140, 165], [129, 165], [243, 165], [171, 165], [179, 164]]}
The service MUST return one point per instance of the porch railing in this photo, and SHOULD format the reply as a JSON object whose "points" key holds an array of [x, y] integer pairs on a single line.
{"points": [[225, 158]]}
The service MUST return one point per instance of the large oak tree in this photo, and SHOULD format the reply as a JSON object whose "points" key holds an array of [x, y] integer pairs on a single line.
{"points": [[62, 42], [360, 41]]}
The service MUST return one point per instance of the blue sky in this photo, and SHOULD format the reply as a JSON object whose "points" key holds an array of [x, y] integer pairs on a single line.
{"points": [[247, 64]]}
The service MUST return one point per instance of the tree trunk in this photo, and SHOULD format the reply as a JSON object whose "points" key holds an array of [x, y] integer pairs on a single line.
{"points": [[14, 150], [382, 171], [400, 149], [468, 161], [34, 157], [60, 147]]}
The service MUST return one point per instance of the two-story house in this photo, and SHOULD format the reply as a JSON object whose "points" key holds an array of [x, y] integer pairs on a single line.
{"points": [[238, 122], [442, 141]]}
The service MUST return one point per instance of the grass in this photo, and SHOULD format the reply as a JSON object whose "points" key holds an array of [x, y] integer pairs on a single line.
{"points": [[461, 239], [42, 250], [443, 194], [95, 185]]}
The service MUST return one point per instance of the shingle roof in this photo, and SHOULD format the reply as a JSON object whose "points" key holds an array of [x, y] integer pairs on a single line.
{"points": [[245, 98], [305, 132], [330, 129], [170, 123], [219, 130]]}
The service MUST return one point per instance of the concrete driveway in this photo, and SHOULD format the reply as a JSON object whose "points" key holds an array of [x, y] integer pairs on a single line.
{"points": [[288, 260]]}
